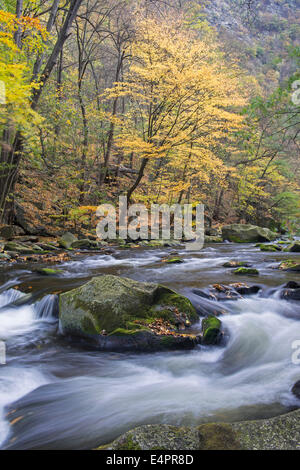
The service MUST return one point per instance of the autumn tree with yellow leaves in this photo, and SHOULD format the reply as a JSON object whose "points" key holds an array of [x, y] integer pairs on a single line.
{"points": [[182, 102]]}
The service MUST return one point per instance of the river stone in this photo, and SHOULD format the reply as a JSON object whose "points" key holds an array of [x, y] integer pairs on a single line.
{"points": [[292, 285], [289, 265], [279, 433], [211, 330], [290, 294], [19, 248], [236, 264], [10, 231], [246, 271], [84, 243], [48, 247], [240, 233], [66, 240], [296, 389], [113, 313], [272, 248], [212, 239], [294, 248], [49, 271]]}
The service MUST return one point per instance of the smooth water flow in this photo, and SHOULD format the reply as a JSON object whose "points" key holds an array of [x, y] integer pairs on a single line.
{"points": [[59, 396]]}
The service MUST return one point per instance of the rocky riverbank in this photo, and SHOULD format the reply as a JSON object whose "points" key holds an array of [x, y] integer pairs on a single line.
{"points": [[279, 433]]}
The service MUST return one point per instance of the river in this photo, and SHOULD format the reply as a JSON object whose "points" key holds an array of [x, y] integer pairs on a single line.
{"points": [[54, 395]]}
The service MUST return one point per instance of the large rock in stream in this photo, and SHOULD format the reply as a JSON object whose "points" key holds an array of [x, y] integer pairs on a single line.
{"points": [[115, 314], [245, 233], [280, 433], [294, 247]]}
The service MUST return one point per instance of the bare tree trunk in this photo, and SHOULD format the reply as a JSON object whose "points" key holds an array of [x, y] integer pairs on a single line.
{"points": [[18, 33], [138, 179], [63, 35], [85, 145], [39, 60], [112, 125]]}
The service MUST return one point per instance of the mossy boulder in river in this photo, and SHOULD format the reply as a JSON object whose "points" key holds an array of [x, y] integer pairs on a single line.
{"points": [[289, 265], [240, 233], [246, 271], [271, 248], [211, 330], [115, 313], [48, 271], [279, 433]]}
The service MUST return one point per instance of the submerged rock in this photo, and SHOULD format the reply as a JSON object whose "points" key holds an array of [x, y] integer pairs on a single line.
{"points": [[243, 289], [205, 305], [134, 315], [222, 292], [290, 294], [279, 433], [296, 389], [294, 248], [236, 264], [240, 233]]}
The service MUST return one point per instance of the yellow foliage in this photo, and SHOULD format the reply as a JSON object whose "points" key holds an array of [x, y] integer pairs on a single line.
{"points": [[15, 70], [184, 100]]}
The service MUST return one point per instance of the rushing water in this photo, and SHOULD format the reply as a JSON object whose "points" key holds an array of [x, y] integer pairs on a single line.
{"points": [[56, 396]]}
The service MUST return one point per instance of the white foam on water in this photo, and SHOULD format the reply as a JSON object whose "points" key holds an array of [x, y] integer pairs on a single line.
{"points": [[10, 296], [16, 322], [108, 261], [15, 382]]}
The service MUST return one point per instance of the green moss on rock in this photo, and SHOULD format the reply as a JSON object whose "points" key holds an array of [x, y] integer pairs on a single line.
{"points": [[218, 437], [235, 264], [246, 271], [246, 233], [270, 248], [174, 261], [211, 330], [121, 307], [123, 332], [289, 265], [49, 271], [294, 247]]}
